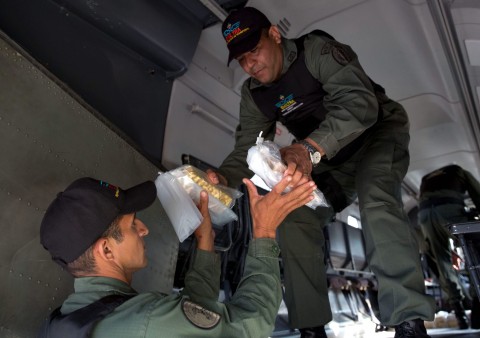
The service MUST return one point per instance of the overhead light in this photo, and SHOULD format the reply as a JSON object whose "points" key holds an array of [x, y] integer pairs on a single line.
{"points": [[473, 51]]}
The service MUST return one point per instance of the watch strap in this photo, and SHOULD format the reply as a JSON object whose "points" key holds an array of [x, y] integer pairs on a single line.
{"points": [[315, 156]]}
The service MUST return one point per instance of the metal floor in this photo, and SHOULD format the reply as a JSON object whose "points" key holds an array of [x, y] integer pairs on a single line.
{"points": [[442, 327], [366, 329]]}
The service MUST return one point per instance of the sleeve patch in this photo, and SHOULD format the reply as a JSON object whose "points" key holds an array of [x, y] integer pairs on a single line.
{"points": [[342, 54], [199, 316]]}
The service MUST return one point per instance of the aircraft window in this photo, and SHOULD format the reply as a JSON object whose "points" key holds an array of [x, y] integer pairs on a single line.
{"points": [[354, 222]]}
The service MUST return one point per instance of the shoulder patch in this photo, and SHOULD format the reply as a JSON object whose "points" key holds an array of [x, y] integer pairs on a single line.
{"points": [[291, 56], [341, 53], [199, 316], [327, 47]]}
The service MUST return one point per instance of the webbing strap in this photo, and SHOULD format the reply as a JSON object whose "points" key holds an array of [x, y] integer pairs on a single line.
{"points": [[79, 323]]}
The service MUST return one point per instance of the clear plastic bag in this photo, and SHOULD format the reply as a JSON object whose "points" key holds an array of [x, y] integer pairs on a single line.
{"points": [[220, 198], [182, 212], [265, 161]]}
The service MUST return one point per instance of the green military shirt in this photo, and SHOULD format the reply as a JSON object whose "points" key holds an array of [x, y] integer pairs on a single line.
{"points": [[195, 312], [464, 179], [350, 100]]}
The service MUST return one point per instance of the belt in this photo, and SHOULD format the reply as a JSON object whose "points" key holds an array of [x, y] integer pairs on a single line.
{"points": [[433, 202]]}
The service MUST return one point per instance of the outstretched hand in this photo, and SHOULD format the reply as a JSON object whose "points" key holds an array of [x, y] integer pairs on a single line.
{"points": [[270, 210], [204, 233]]}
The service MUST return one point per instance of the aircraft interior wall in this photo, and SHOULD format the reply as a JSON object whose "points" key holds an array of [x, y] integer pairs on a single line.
{"points": [[48, 138]]}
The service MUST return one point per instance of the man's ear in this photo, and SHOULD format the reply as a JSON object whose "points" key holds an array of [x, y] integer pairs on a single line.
{"points": [[274, 33], [103, 249]]}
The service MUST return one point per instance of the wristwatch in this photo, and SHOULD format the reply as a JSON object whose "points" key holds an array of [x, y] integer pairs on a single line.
{"points": [[315, 155]]}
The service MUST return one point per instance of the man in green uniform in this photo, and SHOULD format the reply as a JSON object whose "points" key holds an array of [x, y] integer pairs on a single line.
{"points": [[92, 230], [353, 140], [442, 202]]}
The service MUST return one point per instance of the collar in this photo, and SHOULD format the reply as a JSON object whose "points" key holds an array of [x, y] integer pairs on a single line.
{"points": [[91, 289], [289, 50], [102, 284]]}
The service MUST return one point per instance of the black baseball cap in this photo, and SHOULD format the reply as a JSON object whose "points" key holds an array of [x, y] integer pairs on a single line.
{"points": [[78, 216], [242, 30]]}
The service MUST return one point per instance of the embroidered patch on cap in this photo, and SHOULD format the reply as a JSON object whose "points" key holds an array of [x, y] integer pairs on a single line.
{"points": [[234, 30], [199, 316], [111, 187]]}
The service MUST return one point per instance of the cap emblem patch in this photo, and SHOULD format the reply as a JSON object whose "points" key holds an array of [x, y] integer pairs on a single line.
{"points": [[111, 187], [233, 31]]}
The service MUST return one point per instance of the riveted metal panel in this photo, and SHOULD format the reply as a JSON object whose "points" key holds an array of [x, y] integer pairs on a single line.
{"points": [[48, 138]]}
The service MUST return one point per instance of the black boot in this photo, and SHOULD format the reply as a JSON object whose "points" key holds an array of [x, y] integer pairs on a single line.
{"points": [[313, 332], [462, 319], [411, 329]]}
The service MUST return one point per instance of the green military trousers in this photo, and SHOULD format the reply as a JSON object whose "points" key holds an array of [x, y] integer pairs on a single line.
{"points": [[375, 173], [433, 222], [302, 247]]}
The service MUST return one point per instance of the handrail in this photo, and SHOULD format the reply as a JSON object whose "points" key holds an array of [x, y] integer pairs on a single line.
{"points": [[196, 109]]}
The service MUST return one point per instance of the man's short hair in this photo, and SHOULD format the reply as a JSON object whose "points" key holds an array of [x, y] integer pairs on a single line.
{"points": [[86, 264]]}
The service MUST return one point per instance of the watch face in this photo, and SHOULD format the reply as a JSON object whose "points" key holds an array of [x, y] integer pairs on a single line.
{"points": [[316, 157]]}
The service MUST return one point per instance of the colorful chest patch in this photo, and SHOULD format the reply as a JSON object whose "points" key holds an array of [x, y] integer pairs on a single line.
{"points": [[199, 316]]}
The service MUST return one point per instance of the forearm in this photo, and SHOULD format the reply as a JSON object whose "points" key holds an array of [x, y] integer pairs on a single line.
{"points": [[234, 168], [202, 280], [259, 292]]}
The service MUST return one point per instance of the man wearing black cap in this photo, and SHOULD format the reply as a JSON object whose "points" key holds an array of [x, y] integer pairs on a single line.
{"points": [[352, 140], [92, 230]]}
